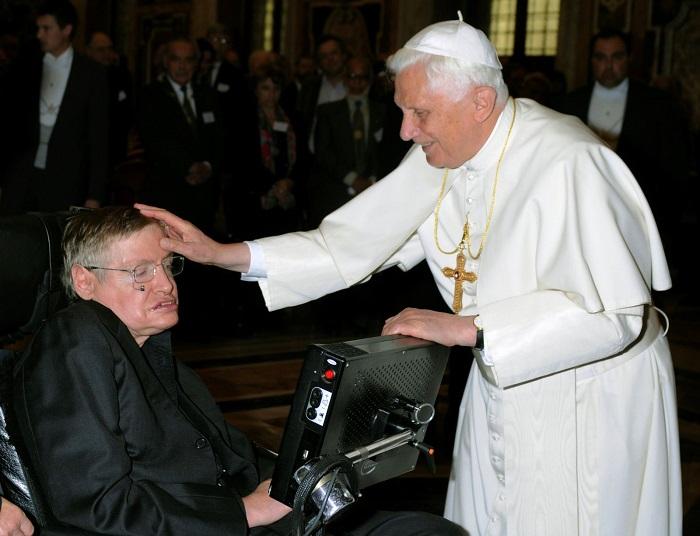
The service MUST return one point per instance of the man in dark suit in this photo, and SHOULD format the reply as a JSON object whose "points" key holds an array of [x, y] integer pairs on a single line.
{"points": [[183, 137], [121, 99], [331, 57], [58, 112], [347, 134], [642, 124], [125, 439]]}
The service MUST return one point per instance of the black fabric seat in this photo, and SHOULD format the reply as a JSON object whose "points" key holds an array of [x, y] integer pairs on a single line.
{"points": [[30, 290]]}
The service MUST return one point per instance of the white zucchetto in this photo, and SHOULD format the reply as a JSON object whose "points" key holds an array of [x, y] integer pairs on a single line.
{"points": [[456, 39]]}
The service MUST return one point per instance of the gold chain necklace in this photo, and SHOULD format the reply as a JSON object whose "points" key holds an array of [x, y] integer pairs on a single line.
{"points": [[459, 274]]}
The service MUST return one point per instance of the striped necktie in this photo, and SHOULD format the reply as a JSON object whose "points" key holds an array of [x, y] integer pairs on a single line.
{"points": [[187, 108]]}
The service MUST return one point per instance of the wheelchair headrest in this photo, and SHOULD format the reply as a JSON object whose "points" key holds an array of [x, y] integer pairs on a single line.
{"points": [[30, 271]]}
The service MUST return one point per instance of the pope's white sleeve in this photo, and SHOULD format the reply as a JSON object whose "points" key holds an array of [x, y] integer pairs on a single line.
{"points": [[545, 332], [299, 269], [410, 254]]}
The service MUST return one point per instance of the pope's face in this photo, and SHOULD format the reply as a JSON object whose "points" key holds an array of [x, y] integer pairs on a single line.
{"points": [[609, 61], [52, 38], [444, 128], [144, 313]]}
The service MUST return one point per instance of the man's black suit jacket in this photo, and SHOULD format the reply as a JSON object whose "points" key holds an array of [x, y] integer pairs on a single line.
{"points": [[238, 107], [307, 102], [653, 143], [172, 146], [78, 152], [125, 440], [335, 153]]}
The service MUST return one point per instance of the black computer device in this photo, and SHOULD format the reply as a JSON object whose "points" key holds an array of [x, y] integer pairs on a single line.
{"points": [[367, 401]]}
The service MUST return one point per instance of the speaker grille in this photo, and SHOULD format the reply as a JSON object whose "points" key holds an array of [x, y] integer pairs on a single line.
{"points": [[376, 387]]}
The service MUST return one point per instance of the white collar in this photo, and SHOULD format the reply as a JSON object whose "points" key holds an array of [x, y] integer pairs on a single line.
{"points": [[619, 91], [62, 61], [177, 87]]}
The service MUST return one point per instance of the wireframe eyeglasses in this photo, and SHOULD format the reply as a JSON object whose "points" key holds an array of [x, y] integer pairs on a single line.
{"points": [[143, 273]]}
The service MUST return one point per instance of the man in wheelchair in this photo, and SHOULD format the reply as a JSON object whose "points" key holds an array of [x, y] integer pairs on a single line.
{"points": [[123, 439]]}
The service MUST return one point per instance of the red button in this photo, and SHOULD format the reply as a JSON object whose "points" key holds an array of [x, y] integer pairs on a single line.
{"points": [[329, 374]]}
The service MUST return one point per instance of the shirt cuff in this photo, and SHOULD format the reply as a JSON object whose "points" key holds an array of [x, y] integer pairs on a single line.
{"points": [[257, 269]]}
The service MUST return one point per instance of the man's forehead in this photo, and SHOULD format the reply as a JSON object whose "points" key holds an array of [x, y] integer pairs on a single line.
{"points": [[329, 47], [46, 21], [609, 44], [358, 66], [181, 50]]}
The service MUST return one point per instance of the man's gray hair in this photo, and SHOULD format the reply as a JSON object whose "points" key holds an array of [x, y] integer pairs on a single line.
{"points": [[450, 76], [89, 235]]}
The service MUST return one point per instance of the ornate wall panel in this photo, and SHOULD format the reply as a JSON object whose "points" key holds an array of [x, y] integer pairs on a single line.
{"points": [[682, 50]]}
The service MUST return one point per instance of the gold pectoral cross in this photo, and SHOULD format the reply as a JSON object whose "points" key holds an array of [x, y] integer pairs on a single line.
{"points": [[460, 275]]}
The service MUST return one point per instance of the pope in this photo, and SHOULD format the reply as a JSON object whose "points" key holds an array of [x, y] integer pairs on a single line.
{"points": [[542, 243]]}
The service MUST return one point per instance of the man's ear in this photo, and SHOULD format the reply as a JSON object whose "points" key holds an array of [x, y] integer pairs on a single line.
{"points": [[67, 30], [484, 98], [84, 281]]}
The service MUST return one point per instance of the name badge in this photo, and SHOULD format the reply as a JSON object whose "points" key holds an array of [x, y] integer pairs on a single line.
{"points": [[280, 126], [121, 95], [222, 88], [208, 117]]}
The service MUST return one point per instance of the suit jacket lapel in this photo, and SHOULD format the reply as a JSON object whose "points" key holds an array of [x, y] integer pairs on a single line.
{"points": [[70, 95], [154, 384]]}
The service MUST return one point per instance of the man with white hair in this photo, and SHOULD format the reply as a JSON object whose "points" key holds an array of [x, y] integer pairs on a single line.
{"points": [[542, 243]]}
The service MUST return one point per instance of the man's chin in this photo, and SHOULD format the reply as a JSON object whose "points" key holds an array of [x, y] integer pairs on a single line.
{"points": [[433, 159]]}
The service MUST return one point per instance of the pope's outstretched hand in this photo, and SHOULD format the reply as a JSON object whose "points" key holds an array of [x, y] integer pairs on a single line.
{"points": [[186, 239]]}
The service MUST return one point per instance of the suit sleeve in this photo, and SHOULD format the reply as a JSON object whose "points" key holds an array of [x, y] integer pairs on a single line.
{"points": [[83, 463], [331, 155]]}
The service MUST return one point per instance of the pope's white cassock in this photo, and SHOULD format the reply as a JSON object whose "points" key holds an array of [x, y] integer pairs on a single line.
{"points": [[568, 423]]}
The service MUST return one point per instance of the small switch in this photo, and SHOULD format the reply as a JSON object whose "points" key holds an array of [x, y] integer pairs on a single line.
{"points": [[329, 375]]}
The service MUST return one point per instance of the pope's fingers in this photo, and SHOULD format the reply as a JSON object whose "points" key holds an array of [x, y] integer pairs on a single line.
{"points": [[161, 214], [151, 208]]}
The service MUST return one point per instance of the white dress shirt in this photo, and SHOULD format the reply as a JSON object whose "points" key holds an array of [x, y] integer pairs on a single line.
{"points": [[606, 111], [54, 79]]}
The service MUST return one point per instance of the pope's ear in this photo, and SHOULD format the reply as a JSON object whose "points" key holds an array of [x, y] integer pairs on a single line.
{"points": [[84, 281], [484, 98]]}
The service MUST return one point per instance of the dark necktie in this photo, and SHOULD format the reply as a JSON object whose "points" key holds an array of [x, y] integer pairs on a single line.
{"points": [[358, 133], [187, 108]]}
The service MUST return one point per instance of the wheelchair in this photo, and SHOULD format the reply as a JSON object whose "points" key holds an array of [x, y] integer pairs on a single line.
{"points": [[30, 291]]}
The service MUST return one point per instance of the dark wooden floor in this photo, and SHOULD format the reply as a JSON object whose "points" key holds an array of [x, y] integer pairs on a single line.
{"points": [[253, 379]]}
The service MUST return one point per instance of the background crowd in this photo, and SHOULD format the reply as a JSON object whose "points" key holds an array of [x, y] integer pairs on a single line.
{"points": [[249, 147]]}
